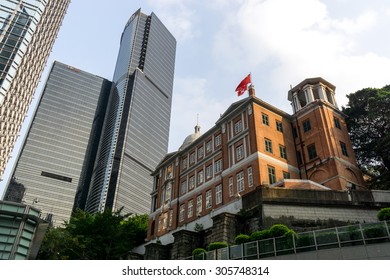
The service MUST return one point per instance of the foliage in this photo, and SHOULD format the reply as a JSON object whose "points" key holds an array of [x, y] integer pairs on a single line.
{"points": [[241, 238], [216, 245], [368, 120], [278, 230], [259, 235], [106, 235], [384, 214], [198, 251]]}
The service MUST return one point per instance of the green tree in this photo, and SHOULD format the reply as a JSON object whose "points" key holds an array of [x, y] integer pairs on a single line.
{"points": [[106, 235], [368, 120]]}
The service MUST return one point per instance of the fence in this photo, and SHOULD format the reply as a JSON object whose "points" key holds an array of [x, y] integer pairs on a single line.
{"points": [[352, 235]]}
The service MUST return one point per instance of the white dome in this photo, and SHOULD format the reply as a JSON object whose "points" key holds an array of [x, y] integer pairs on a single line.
{"points": [[191, 138]]}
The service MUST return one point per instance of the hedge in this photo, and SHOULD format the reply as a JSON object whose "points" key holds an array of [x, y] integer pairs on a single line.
{"points": [[241, 238], [216, 245]]}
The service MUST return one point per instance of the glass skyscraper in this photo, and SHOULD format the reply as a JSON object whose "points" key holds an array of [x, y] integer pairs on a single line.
{"points": [[62, 141], [28, 29], [136, 127]]}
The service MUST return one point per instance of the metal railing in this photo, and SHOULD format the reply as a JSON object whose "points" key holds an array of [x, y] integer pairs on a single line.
{"points": [[352, 235]]}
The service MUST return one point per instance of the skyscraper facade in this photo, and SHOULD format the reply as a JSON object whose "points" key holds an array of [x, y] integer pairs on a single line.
{"points": [[56, 157], [27, 32], [136, 127]]}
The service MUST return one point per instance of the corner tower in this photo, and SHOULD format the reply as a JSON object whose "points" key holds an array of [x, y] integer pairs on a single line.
{"points": [[324, 150]]}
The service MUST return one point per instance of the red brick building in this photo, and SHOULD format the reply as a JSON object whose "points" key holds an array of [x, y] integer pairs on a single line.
{"points": [[254, 144]]}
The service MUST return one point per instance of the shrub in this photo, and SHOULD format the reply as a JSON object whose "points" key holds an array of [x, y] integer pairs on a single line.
{"points": [[241, 238], [216, 245], [278, 230], [375, 232], [198, 251], [384, 214], [259, 235]]}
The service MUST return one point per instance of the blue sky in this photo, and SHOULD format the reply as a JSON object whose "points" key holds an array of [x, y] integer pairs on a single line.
{"points": [[280, 42]]}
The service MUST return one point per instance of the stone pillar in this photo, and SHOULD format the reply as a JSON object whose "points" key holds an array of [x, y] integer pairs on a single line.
{"points": [[224, 228], [185, 242], [154, 251]]}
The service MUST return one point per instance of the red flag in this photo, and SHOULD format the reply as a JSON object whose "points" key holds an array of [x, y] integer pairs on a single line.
{"points": [[243, 86]]}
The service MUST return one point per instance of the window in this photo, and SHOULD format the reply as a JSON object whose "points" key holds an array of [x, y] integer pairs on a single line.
{"points": [[192, 183], [190, 209], [286, 175], [200, 152], [168, 192], [311, 150], [218, 166], [192, 158], [181, 213], [344, 148], [268, 145], [164, 221], [237, 127], [240, 182], [209, 172], [217, 140], [170, 218], [306, 125], [279, 126], [208, 147], [337, 123], [183, 187], [200, 177], [250, 177], [283, 152], [209, 199], [265, 119], [184, 163], [240, 152], [271, 175], [231, 191], [218, 194], [199, 205]]}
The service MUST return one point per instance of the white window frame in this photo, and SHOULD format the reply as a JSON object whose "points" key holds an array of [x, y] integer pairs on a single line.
{"points": [[182, 212], [191, 184], [209, 172], [184, 187], [217, 140], [231, 187], [240, 182], [218, 166], [250, 177], [218, 194], [200, 152], [200, 177], [238, 127], [199, 206], [240, 152], [209, 199], [190, 209]]}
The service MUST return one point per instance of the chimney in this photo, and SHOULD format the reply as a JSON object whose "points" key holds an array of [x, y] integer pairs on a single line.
{"points": [[251, 90]]}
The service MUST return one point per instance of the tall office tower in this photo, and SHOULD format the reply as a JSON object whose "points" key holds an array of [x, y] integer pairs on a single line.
{"points": [[27, 33], [56, 155], [136, 128]]}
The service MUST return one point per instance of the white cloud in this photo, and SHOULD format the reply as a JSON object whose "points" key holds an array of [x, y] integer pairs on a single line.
{"points": [[177, 17], [292, 40]]}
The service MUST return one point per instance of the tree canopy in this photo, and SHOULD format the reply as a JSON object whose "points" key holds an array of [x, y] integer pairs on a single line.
{"points": [[106, 235], [368, 121]]}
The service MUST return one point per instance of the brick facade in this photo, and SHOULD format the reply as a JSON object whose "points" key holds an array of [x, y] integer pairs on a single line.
{"points": [[255, 144]]}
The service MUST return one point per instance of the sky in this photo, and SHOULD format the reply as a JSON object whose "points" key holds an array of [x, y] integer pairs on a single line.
{"points": [[280, 42]]}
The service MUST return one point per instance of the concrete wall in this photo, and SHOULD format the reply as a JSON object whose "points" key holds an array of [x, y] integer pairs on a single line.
{"points": [[379, 251], [276, 211]]}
